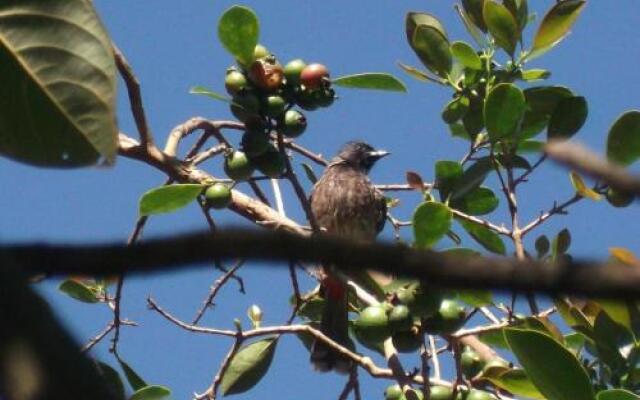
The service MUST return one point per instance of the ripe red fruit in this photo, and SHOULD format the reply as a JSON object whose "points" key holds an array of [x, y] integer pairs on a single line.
{"points": [[314, 76]]}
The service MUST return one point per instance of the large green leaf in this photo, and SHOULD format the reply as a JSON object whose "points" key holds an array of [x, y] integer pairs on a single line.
{"points": [[552, 368], [541, 101], [502, 25], [479, 201], [135, 381], [520, 11], [488, 239], [414, 19], [455, 109], [471, 27], [473, 9], [58, 77], [112, 379], [568, 117], [239, 31], [623, 143], [504, 108], [473, 120], [151, 392], [447, 174], [248, 366], [517, 382], [432, 47], [371, 80], [431, 221], [78, 290], [609, 337], [556, 25], [165, 199], [616, 394], [466, 55], [472, 178]]}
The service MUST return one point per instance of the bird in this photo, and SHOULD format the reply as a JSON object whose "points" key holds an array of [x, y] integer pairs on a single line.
{"points": [[344, 203]]}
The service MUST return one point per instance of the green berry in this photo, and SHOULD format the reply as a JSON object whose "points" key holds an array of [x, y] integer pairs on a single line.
{"points": [[245, 106], [237, 166], [294, 123], [619, 199], [235, 82], [306, 99], [422, 301], [325, 97], [255, 143], [393, 392], [400, 318], [449, 318], [471, 362], [274, 106], [412, 394], [271, 163], [406, 341], [476, 394], [373, 324], [292, 71], [441, 393], [218, 195]]}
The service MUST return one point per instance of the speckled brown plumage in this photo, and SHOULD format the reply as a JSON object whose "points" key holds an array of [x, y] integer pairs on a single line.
{"points": [[345, 203]]}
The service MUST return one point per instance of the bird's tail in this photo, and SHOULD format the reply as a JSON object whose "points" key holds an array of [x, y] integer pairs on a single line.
{"points": [[335, 325]]}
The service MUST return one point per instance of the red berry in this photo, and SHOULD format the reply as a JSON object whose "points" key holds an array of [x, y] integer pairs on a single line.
{"points": [[314, 76]]}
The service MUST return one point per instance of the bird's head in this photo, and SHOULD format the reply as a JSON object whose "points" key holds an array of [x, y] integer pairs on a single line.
{"points": [[360, 155]]}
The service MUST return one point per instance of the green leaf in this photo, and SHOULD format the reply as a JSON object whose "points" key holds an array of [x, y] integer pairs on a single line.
{"points": [[431, 222], [503, 110], [561, 243], [371, 80], [542, 246], [472, 178], [447, 174], [475, 298], [201, 90], [552, 368], [309, 173], [623, 143], [428, 39], [239, 31], [609, 337], [567, 118], [494, 339], [458, 130], [502, 26], [168, 198], [466, 55], [617, 311], [59, 78], [488, 239], [473, 9], [517, 382], [135, 381], [531, 75], [616, 394], [582, 189], [473, 121], [519, 9], [248, 366], [530, 146], [415, 72], [78, 290], [112, 379], [473, 30], [575, 341], [555, 26], [541, 102], [480, 201], [152, 392], [455, 109]]}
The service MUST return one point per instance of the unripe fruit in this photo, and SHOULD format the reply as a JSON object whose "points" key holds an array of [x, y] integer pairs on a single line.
{"points": [[237, 166], [235, 82], [255, 143], [406, 341], [245, 106], [218, 195], [441, 393], [393, 392], [400, 319], [619, 199], [260, 52], [449, 318], [325, 97], [471, 363], [306, 99], [294, 123], [314, 76], [292, 71], [274, 106], [422, 301], [412, 394], [266, 75], [373, 324], [271, 163]]}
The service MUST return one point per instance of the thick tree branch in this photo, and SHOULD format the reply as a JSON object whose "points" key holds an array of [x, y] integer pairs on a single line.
{"points": [[569, 277]]}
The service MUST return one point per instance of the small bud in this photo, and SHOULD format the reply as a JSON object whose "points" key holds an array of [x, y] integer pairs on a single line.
{"points": [[255, 315]]}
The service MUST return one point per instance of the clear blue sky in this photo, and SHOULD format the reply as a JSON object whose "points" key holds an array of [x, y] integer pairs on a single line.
{"points": [[173, 47]]}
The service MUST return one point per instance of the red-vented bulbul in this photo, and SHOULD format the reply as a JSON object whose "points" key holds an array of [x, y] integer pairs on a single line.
{"points": [[344, 203]]}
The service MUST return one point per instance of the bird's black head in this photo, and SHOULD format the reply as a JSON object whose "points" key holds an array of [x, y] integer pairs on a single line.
{"points": [[360, 155]]}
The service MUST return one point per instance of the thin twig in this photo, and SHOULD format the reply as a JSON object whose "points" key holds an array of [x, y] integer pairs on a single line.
{"points": [[215, 288], [556, 209], [260, 194], [296, 291], [525, 175], [317, 158], [501, 230]]}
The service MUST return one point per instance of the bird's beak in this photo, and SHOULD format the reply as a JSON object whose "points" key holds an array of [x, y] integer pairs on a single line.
{"points": [[378, 154]]}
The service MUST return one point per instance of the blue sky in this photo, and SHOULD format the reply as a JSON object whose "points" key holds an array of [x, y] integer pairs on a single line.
{"points": [[173, 47]]}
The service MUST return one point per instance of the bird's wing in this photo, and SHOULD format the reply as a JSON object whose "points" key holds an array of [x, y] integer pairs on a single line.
{"points": [[381, 208]]}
